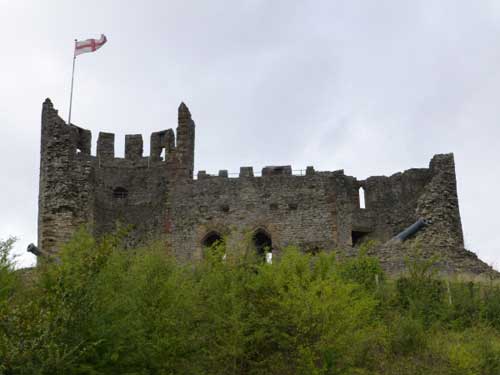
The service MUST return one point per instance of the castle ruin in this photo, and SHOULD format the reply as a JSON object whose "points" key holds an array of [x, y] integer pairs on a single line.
{"points": [[158, 196]]}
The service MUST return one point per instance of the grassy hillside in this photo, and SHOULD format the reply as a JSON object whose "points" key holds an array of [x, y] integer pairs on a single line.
{"points": [[102, 310]]}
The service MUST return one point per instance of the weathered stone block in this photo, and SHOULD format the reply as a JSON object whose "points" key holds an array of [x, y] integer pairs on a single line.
{"points": [[133, 147], [246, 171], [281, 170], [106, 146]]}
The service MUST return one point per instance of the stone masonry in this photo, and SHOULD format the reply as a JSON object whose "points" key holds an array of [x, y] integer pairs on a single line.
{"points": [[159, 198]]}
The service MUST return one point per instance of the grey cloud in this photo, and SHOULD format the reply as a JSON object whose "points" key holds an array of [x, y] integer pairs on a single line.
{"points": [[370, 87]]}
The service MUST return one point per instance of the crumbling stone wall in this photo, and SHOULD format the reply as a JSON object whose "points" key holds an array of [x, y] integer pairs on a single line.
{"points": [[320, 210], [66, 188], [157, 196]]}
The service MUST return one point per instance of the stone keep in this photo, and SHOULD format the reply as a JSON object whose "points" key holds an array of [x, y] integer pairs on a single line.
{"points": [[159, 198]]}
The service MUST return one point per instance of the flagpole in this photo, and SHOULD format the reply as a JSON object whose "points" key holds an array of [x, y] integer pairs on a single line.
{"points": [[72, 80]]}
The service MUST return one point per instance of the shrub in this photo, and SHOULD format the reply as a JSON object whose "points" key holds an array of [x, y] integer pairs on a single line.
{"points": [[363, 269], [407, 335], [465, 307], [7, 275], [107, 310], [490, 309], [420, 292]]}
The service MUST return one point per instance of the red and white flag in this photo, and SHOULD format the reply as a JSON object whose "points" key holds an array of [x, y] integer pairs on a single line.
{"points": [[89, 45]]}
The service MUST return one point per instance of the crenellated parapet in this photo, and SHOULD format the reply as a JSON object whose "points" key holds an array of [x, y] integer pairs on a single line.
{"points": [[163, 146], [268, 171]]}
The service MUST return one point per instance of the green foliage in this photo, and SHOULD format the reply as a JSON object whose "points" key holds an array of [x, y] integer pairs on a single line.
{"points": [[420, 292], [8, 286], [490, 309], [7, 277], [407, 335], [363, 269], [106, 310], [472, 351], [466, 304]]}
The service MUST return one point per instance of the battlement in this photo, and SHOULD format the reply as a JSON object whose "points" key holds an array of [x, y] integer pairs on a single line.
{"points": [[163, 144], [248, 172], [268, 171]]}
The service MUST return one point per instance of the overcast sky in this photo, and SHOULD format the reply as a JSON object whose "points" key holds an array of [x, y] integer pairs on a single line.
{"points": [[371, 87]]}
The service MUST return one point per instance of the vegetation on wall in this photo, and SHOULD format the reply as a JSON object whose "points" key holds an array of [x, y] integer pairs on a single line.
{"points": [[104, 310]]}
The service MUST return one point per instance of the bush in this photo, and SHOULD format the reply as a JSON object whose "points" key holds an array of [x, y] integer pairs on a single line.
{"points": [[465, 307], [472, 351], [407, 336], [363, 269], [420, 292], [490, 309], [106, 310], [7, 275]]}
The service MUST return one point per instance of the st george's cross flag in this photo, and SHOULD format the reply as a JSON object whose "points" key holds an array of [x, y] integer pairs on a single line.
{"points": [[89, 45]]}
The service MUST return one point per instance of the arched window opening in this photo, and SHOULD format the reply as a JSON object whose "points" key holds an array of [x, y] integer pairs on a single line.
{"points": [[263, 245], [162, 154], [211, 239], [120, 193], [362, 198], [314, 250]]}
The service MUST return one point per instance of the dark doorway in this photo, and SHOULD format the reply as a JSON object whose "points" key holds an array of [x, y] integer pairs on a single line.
{"points": [[358, 237], [263, 244], [211, 239]]}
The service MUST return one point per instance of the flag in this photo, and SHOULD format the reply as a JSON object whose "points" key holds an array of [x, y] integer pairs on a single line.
{"points": [[89, 45]]}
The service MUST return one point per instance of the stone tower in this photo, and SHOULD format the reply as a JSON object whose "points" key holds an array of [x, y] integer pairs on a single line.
{"points": [[77, 188]]}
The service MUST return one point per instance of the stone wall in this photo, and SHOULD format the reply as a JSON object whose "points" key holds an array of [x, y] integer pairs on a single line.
{"points": [[293, 210], [320, 210], [66, 180]]}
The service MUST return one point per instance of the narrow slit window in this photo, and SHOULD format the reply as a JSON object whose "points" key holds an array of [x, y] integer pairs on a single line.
{"points": [[362, 204]]}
